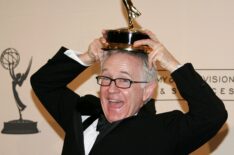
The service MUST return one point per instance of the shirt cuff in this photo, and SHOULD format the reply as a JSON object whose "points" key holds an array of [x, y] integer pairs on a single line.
{"points": [[74, 55], [177, 67]]}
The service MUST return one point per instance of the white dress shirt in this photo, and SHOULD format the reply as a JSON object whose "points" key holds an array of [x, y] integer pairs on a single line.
{"points": [[90, 135]]}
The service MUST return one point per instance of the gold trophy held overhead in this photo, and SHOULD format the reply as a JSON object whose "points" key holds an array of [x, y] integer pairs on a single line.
{"points": [[124, 38]]}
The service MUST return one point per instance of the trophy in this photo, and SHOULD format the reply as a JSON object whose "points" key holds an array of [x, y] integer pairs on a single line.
{"points": [[123, 38], [10, 59]]}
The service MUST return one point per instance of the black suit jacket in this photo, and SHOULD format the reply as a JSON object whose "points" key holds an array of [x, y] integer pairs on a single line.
{"points": [[148, 133]]}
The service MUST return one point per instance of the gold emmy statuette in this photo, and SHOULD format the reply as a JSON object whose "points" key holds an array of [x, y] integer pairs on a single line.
{"points": [[123, 38]]}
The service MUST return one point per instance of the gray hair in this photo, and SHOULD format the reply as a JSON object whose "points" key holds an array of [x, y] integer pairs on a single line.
{"points": [[148, 74]]}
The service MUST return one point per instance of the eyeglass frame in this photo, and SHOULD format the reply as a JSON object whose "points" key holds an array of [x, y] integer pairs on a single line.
{"points": [[111, 80]]}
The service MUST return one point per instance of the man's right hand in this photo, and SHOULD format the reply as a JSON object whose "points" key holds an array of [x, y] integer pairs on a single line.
{"points": [[94, 52]]}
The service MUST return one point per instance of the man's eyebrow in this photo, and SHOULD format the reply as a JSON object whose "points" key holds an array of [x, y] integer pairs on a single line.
{"points": [[124, 72]]}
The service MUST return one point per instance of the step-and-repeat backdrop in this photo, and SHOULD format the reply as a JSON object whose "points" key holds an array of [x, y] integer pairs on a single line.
{"points": [[32, 31]]}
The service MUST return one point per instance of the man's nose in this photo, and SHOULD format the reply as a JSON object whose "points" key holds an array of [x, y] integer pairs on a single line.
{"points": [[113, 87]]}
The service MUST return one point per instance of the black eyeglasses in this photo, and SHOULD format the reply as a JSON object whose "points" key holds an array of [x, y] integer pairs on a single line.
{"points": [[119, 82]]}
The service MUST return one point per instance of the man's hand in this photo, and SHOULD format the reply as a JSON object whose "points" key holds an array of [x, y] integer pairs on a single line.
{"points": [[94, 52], [158, 52]]}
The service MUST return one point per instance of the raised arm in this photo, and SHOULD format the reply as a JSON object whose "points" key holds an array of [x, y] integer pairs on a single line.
{"points": [[206, 113], [50, 85]]}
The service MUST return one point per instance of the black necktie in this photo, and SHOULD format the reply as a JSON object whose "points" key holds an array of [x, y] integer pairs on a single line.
{"points": [[102, 124]]}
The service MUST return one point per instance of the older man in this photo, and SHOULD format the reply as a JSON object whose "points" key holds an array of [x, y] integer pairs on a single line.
{"points": [[127, 84]]}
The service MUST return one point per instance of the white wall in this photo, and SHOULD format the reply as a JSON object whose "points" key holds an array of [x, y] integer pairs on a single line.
{"points": [[195, 31]]}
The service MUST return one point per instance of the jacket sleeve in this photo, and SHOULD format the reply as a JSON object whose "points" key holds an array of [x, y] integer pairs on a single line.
{"points": [[206, 113], [50, 85]]}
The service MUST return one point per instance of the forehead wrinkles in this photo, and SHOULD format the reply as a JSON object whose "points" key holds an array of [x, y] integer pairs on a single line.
{"points": [[123, 63], [122, 72]]}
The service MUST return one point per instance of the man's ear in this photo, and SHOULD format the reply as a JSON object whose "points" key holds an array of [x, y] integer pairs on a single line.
{"points": [[149, 90]]}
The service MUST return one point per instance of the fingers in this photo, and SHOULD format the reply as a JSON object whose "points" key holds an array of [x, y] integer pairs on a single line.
{"points": [[103, 41], [104, 33], [151, 34], [153, 42], [158, 52], [95, 51], [154, 45], [100, 52], [152, 58]]}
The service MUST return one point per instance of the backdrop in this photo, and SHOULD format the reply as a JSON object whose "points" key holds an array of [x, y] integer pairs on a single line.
{"points": [[195, 31]]}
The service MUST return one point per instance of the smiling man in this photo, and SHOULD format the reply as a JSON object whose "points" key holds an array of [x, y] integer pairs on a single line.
{"points": [[127, 84], [120, 82]]}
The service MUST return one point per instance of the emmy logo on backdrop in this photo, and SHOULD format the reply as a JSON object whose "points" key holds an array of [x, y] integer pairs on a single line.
{"points": [[10, 59]]}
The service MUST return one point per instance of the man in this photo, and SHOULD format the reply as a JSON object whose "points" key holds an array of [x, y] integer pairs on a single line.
{"points": [[127, 83]]}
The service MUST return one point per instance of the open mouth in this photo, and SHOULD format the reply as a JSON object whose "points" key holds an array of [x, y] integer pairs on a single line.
{"points": [[115, 104]]}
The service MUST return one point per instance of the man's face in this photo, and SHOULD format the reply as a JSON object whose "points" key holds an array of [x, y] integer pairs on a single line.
{"points": [[118, 103]]}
